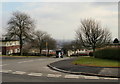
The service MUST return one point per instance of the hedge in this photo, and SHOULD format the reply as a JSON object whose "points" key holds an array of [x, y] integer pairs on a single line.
{"points": [[108, 53]]}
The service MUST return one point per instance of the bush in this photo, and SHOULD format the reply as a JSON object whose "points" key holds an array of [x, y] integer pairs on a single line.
{"points": [[108, 53], [91, 54]]}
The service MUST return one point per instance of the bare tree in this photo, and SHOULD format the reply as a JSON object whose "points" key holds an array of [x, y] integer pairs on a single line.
{"points": [[43, 40], [39, 39], [20, 25], [50, 43], [91, 34]]}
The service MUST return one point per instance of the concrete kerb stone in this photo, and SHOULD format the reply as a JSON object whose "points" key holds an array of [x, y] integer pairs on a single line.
{"points": [[79, 73]]}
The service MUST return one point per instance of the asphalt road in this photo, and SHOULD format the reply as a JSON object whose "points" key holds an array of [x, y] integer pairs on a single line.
{"points": [[34, 69], [26, 78]]}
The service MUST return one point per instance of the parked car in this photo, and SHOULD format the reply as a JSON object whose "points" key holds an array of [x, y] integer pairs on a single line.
{"points": [[59, 54]]}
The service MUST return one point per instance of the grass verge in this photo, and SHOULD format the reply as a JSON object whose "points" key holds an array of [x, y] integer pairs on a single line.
{"points": [[19, 56], [90, 61]]}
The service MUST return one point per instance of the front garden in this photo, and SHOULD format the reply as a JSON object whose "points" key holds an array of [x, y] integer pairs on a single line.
{"points": [[105, 57], [90, 61]]}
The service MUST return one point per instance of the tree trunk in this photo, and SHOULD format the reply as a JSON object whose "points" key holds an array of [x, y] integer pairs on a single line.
{"points": [[93, 51], [40, 50], [48, 51], [21, 45]]}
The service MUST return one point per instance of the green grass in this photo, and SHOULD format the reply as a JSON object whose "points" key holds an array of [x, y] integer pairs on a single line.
{"points": [[90, 61], [21, 56]]}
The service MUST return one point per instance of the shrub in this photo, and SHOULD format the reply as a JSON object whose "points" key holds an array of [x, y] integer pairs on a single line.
{"points": [[91, 54], [108, 53]]}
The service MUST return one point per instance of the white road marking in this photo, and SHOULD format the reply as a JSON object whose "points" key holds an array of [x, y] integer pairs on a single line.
{"points": [[40, 59], [5, 71], [3, 65], [56, 75], [20, 62], [53, 75], [71, 76], [30, 61], [26, 61], [111, 78], [35, 74], [91, 77], [18, 72]]}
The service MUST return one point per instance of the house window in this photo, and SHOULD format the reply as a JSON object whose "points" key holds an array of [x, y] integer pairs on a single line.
{"points": [[15, 43], [11, 51], [10, 43], [7, 52], [7, 44], [16, 50]]}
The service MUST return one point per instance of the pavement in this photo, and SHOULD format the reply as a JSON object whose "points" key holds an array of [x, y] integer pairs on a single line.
{"points": [[66, 66]]}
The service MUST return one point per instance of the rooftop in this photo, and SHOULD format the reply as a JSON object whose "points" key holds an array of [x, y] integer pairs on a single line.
{"points": [[7, 40]]}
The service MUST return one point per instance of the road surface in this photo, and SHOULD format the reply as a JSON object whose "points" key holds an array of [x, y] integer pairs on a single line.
{"points": [[34, 69]]}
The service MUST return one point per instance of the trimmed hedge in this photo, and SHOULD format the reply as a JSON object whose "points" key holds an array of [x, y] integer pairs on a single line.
{"points": [[108, 53], [91, 54]]}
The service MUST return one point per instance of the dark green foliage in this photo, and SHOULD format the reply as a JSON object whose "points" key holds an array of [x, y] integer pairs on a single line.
{"points": [[91, 54], [108, 53], [116, 40]]}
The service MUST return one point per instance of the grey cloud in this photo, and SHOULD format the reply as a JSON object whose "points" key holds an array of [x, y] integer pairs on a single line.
{"points": [[62, 19]]}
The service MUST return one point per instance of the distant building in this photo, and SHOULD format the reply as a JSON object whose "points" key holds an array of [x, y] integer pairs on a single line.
{"points": [[8, 47], [43, 52], [79, 52]]}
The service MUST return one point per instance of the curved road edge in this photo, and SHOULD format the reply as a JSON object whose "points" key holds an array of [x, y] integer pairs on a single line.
{"points": [[78, 73]]}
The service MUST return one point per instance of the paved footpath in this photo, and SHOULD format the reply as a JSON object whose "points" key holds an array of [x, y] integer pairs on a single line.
{"points": [[67, 67]]}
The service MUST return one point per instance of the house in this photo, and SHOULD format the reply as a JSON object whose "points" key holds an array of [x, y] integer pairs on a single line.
{"points": [[79, 52], [9, 46]]}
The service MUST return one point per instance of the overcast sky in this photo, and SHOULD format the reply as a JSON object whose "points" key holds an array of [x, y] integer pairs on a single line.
{"points": [[62, 19]]}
